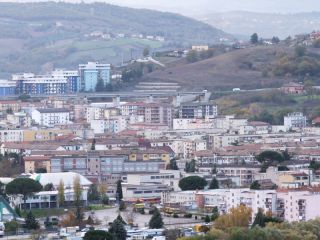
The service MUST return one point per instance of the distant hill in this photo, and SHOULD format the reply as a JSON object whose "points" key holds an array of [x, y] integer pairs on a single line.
{"points": [[40, 36], [236, 69], [267, 25]]}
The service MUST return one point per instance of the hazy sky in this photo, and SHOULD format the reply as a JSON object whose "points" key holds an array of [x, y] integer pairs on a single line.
{"points": [[199, 7], [191, 7]]}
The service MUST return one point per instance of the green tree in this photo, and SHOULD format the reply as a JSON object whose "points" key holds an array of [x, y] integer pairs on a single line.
{"points": [[118, 230], [24, 186], [191, 166], [259, 219], [11, 226], [172, 165], [100, 85], [192, 56], [255, 185], [119, 194], [119, 218], [156, 221], [30, 222], [214, 184], [254, 39], [93, 144], [97, 235], [93, 193], [61, 197], [215, 213], [270, 156], [207, 219], [122, 206], [48, 187], [192, 183]]}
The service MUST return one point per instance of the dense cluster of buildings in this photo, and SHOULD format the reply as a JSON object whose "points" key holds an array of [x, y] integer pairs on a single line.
{"points": [[58, 82], [136, 141]]}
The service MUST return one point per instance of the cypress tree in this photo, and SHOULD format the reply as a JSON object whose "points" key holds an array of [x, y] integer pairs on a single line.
{"points": [[119, 194], [100, 85], [214, 184], [31, 222], [118, 230], [259, 219], [156, 221]]}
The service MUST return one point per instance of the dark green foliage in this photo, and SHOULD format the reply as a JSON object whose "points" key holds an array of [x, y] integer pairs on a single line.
{"points": [[254, 38], [24, 186], [192, 183], [122, 206], [314, 165], [17, 210], [12, 226], [175, 215], [172, 165], [119, 218], [214, 184], [100, 85], [215, 214], [132, 72], [255, 185], [97, 235], [119, 194], [93, 144], [270, 156], [188, 215], [156, 221], [207, 219], [117, 230], [259, 219], [48, 187], [30, 222], [283, 168], [9, 111], [93, 193], [41, 170], [191, 166], [105, 200]]}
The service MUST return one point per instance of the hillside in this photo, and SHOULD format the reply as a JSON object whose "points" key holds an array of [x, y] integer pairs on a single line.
{"points": [[239, 68], [40, 36], [266, 25]]}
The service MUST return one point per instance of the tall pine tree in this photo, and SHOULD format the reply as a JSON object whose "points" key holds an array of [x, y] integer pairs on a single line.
{"points": [[214, 184], [119, 193], [31, 222], [100, 85], [156, 221], [118, 230], [259, 219]]}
